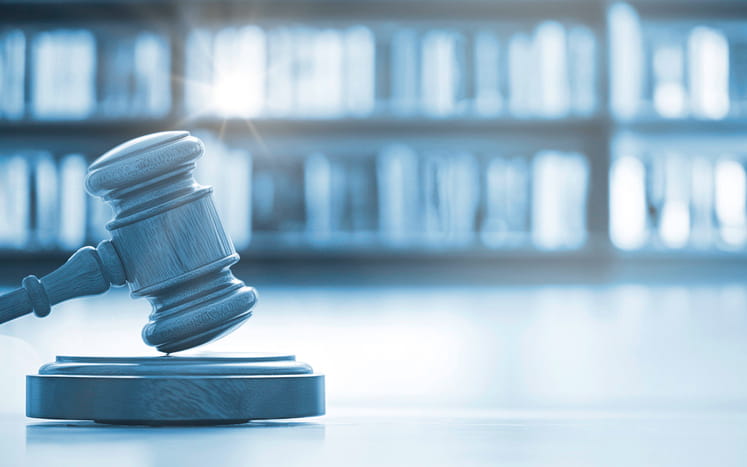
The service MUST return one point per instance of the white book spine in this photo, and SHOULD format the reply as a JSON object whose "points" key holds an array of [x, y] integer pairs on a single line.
{"points": [[519, 75], [398, 196], [702, 189], [304, 71], [559, 189], [237, 184], [404, 72], [582, 70], [626, 60], [328, 52], [13, 75], [669, 85], [152, 74], [464, 197], [17, 188], [554, 92], [82, 101], [517, 200], [439, 73], [360, 71], [674, 226], [318, 196], [731, 202], [435, 188], [72, 209], [199, 73], [628, 205], [47, 200], [488, 98], [280, 74], [708, 73]]}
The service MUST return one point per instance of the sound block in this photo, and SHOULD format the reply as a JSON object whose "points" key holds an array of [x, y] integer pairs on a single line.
{"points": [[204, 389]]}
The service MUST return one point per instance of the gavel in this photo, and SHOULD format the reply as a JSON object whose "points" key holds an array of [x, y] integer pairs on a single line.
{"points": [[167, 242]]}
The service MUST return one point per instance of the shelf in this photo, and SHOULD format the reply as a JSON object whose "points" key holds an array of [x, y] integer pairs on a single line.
{"points": [[308, 10], [399, 126], [688, 126], [688, 9], [108, 131]]}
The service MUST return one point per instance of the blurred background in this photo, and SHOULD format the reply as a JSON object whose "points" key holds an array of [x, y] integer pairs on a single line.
{"points": [[505, 203]]}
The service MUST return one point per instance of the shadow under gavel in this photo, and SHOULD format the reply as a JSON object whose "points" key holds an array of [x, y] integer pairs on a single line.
{"points": [[167, 243]]}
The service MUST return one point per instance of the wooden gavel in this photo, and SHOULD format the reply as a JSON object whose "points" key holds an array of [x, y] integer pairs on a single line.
{"points": [[167, 243]]}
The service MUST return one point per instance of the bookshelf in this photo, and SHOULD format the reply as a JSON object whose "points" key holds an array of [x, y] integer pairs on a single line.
{"points": [[337, 162]]}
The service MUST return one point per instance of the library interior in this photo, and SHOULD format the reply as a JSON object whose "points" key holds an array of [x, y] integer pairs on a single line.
{"points": [[506, 232]]}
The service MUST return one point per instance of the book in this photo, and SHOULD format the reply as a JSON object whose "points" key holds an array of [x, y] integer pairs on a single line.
{"points": [[488, 97], [280, 97], [551, 63], [730, 201], [46, 195], [52, 53], [12, 74], [702, 202], [318, 198], [708, 73], [198, 71], [520, 72], [669, 95], [629, 223], [152, 68], [582, 71], [405, 75], [440, 73], [626, 60], [398, 195], [559, 191], [505, 222], [328, 73], [674, 220], [15, 202], [72, 202]]}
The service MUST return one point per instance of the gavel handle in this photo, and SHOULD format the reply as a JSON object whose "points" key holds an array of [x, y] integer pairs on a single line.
{"points": [[89, 271]]}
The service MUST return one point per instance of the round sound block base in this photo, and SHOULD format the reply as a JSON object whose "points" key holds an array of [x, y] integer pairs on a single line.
{"points": [[175, 390]]}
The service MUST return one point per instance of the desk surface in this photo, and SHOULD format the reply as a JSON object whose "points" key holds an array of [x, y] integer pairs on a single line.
{"points": [[572, 375], [405, 438]]}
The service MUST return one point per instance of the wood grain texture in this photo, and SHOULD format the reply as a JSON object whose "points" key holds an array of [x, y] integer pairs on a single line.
{"points": [[167, 242], [171, 241], [89, 271], [174, 390]]}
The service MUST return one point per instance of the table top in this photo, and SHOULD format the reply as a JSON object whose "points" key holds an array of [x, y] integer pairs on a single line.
{"points": [[395, 437], [620, 374]]}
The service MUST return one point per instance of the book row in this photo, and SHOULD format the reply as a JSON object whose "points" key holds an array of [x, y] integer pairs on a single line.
{"points": [[75, 74], [398, 197], [672, 200], [546, 69], [677, 69], [538, 70]]}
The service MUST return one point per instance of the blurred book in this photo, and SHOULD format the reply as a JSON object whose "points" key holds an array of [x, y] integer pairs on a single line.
{"points": [[46, 196], [398, 195], [15, 200], [559, 193], [506, 202], [60, 91], [359, 65], [488, 70], [12, 74], [72, 202]]}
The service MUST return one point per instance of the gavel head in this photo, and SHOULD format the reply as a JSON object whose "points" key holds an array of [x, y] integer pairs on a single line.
{"points": [[170, 240]]}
